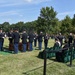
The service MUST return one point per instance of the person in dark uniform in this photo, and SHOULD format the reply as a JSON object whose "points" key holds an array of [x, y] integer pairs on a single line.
{"points": [[40, 40], [46, 37], [10, 36], [16, 38], [60, 37], [35, 39], [31, 38], [24, 40], [70, 39], [1, 39]]}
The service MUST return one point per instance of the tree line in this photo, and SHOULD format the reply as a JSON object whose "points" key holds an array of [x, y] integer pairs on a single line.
{"points": [[46, 22]]}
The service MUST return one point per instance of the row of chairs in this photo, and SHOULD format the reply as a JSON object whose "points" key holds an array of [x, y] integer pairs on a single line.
{"points": [[61, 54]]}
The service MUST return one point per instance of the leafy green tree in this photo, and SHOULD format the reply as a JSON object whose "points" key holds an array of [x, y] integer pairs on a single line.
{"points": [[66, 26], [47, 20], [73, 24], [5, 26]]}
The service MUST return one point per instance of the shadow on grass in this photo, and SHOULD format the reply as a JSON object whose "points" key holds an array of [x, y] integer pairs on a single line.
{"points": [[6, 51], [27, 72]]}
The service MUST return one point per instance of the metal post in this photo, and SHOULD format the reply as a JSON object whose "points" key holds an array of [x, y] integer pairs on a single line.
{"points": [[71, 57], [45, 60]]}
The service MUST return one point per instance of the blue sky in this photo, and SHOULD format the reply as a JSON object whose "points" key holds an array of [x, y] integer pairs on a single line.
{"points": [[13, 11]]}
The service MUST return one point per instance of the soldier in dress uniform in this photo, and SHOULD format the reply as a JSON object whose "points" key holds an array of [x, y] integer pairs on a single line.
{"points": [[1, 39], [24, 40], [35, 39], [46, 37], [10, 36], [16, 38], [31, 38], [70, 39], [40, 40]]}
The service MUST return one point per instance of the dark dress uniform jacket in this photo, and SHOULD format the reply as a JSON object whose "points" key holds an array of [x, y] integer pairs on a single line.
{"points": [[1, 36], [10, 35], [70, 38], [24, 38], [31, 37], [46, 38], [35, 37], [60, 39], [40, 37], [16, 37]]}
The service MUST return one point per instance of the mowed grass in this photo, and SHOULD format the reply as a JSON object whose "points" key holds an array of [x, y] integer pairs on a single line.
{"points": [[29, 64]]}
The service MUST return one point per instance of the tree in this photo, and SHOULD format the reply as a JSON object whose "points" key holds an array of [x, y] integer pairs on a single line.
{"points": [[47, 19], [5, 26], [66, 26], [73, 24]]}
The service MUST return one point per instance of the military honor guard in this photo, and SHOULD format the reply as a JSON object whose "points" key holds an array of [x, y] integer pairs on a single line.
{"points": [[10, 36], [35, 39], [40, 39], [31, 38], [24, 40], [16, 38], [46, 38], [1, 39]]}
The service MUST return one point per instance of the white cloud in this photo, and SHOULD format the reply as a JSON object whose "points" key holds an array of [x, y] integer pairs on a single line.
{"points": [[5, 3], [36, 1], [28, 0], [21, 15], [67, 13], [8, 13], [63, 14]]}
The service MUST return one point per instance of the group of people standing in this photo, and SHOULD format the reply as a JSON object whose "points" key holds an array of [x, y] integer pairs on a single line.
{"points": [[14, 38], [68, 40]]}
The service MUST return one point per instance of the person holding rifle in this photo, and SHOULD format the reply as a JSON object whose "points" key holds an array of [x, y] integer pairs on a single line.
{"points": [[16, 39], [24, 40]]}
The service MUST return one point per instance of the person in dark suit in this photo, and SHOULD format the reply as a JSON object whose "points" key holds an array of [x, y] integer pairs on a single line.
{"points": [[46, 37], [10, 36], [35, 39], [40, 40], [16, 38], [1, 39], [31, 38], [24, 40]]}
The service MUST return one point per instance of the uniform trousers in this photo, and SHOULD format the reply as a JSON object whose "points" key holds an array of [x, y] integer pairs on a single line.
{"points": [[40, 45], [30, 46], [24, 47], [0, 45], [35, 43], [45, 44], [15, 48]]}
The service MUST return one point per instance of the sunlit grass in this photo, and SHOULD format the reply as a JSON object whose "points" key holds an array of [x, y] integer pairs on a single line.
{"points": [[21, 63]]}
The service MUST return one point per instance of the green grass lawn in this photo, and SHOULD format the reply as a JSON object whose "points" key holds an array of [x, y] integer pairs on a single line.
{"points": [[29, 64]]}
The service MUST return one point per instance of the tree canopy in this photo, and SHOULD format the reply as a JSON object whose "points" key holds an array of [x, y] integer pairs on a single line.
{"points": [[46, 22]]}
